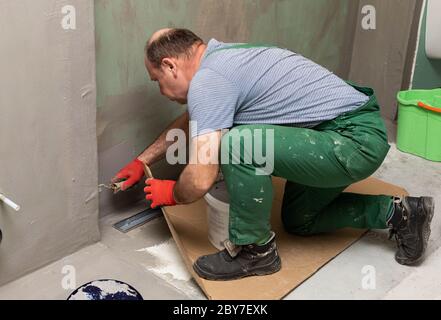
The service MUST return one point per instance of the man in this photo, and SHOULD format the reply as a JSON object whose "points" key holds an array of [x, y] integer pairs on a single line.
{"points": [[325, 135]]}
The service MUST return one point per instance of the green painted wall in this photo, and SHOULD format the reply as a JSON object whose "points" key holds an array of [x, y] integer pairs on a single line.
{"points": [[427, 71], [131, 112], [380, 56], [314, 28]]}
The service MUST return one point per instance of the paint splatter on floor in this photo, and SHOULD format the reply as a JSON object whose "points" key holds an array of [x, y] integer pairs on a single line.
{"points": [[170, 265]]}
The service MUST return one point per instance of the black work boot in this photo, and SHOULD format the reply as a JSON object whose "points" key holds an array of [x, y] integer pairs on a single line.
{"points": [[237, 262], [410, 223]]}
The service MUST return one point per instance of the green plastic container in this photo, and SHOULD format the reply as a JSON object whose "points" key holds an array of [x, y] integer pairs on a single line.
{"points": [[419, 123]]}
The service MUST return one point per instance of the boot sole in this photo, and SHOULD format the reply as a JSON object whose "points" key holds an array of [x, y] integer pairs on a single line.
{"points": [[261, 271], [429, 208]]}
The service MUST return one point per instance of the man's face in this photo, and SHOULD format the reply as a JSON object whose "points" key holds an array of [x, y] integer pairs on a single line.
{"points": [[170, 78]]}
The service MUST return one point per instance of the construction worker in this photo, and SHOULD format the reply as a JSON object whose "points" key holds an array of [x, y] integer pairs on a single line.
{"points": [[324, 132]]}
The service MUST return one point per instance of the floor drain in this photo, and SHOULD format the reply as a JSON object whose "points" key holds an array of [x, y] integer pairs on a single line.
{"points": [[137, 220]]}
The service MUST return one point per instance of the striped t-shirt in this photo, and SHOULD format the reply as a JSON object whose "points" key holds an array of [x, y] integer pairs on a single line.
{"points": [[264, 85]]}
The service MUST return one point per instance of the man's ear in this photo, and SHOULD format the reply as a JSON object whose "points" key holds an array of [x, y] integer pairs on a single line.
{"points": [[168, 65]]}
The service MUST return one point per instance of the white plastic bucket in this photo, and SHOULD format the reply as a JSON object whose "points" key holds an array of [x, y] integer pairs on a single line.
{"points": [[218, 214]]}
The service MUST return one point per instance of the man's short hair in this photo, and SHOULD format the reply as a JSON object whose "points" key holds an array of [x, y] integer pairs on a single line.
{"points": [[173, 43]]}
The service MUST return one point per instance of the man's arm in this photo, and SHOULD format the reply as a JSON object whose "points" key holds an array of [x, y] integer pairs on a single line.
{"points": [[200, 174], [158, 149], [196, 179], [134, 171]]}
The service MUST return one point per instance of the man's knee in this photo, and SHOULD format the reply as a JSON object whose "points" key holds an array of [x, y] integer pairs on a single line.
{"points": [[297, 223], [302, 230]]}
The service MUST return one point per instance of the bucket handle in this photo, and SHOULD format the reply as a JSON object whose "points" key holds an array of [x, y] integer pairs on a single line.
{"points": [[427, 107]]}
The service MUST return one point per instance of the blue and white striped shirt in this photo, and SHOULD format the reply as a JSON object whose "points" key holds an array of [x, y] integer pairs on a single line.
{"points": [[264, 85]]}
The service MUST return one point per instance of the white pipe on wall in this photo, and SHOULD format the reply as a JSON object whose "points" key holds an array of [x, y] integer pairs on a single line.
{"points": [[9, 202], [433, 29]]}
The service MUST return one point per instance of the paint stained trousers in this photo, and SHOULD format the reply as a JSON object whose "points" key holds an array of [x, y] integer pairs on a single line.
{"points": [[318, 163]]}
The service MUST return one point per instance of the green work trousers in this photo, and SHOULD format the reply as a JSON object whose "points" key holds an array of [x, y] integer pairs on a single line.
{"points": [[318, 164]]}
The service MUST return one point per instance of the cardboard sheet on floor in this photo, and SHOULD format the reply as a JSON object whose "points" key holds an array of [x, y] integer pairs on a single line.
{"points": [[301, 257]]}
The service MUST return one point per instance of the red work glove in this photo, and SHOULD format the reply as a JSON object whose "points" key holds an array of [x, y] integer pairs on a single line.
{"points": [[160, 192], [132, 172]]}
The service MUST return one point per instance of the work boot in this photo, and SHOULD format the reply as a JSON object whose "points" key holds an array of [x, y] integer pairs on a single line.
{"points": [[236, 262], [410, 223]]}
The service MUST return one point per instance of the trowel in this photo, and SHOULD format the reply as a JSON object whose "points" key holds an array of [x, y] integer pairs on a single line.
{"points": [[116, 186], [139, 219]]}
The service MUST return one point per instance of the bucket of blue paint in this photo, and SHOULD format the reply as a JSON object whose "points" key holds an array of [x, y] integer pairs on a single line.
{"points": [[218, 216], [105, 289]]}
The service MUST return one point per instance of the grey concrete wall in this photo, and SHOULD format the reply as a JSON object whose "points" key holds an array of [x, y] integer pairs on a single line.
{"points": [[48, 153], [381, 57]]}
